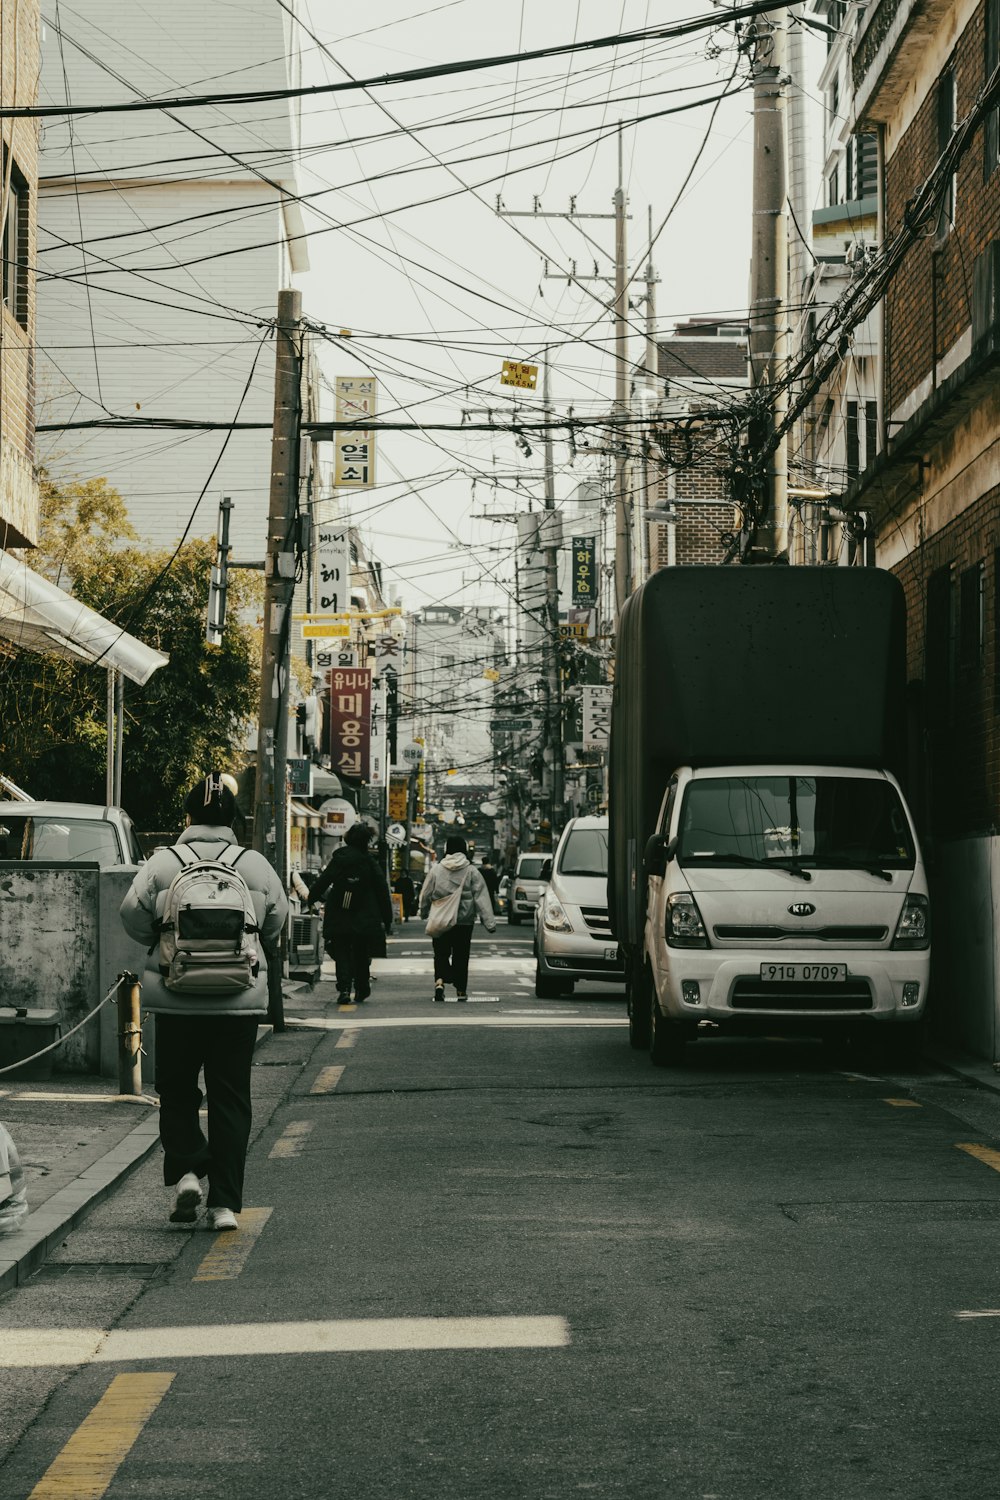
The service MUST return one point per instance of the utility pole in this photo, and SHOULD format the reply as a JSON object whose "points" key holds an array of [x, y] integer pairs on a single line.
{"points": [[551, 539], [270, 811], [624, 580], [766, 278]]}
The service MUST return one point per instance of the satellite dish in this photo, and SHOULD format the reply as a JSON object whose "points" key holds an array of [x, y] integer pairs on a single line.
{"points": [[488, 809]]}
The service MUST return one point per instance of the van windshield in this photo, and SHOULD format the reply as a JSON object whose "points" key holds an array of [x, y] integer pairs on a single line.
{"points": [[585, 852], [82, 840], [822, 821]]}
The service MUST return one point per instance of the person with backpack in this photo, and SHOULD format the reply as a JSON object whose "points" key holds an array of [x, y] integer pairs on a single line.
{"points": [[206, 909], [452, 943], [357, 915]]}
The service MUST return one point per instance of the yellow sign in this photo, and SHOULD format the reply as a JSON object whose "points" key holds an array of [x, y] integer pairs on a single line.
{"points": [[575, 630], [399, 789], [325, 632], [491, 674], [524, 376]]}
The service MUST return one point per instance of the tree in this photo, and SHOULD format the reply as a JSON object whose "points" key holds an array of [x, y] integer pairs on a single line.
{"points": [[189, 718]]}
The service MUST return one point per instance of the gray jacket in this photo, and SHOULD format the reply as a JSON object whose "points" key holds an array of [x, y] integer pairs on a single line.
{"points": [[144, 905], [443, 879]]}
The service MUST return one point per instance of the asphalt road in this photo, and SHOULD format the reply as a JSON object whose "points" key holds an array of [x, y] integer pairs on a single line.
{"points": [[493, 1252]]}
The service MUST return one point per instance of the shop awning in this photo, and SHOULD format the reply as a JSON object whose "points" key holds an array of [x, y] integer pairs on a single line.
{"points": [[303, 813], [38, 616]]}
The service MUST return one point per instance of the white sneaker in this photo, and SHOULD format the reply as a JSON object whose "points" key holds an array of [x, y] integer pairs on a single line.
{"points": [[222, 1218], [187, 1200]]}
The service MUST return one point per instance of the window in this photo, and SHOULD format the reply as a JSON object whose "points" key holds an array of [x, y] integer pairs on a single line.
{"points": [[947, 110], [871, 432], [853, 441], [991, 155], [833, 189], [971, 616], [15, 249], [866, 165]]}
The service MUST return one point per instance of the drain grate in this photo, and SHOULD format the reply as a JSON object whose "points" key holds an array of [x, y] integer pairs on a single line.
{"points": [[140, 1270]]}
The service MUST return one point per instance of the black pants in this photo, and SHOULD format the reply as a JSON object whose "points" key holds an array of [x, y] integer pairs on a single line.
{"points": [[451, 956], [223, 1046], [352, 955]]}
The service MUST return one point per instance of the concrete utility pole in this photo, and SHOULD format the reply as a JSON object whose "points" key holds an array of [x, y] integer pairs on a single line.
{"points": [[279, 587], [624, 578], [767, 268], [551, 539]]}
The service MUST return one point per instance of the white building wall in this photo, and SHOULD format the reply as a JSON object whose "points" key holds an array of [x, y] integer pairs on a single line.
{"points": [[183, 246]]}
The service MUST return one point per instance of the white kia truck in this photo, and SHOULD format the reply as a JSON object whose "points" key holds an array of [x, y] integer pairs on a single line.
{"points": [[765, 871]]}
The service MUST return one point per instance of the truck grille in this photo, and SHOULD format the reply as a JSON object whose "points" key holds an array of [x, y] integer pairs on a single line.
{"points": [[805, 934], [759, 994], [598, 922]]}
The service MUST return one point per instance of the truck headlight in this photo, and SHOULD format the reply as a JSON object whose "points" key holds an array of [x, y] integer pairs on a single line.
{"points": [[555, 918], [685, 929], [913, 930]]}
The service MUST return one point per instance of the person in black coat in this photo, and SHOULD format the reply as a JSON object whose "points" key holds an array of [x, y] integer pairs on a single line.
{"points": [[357, 915]]}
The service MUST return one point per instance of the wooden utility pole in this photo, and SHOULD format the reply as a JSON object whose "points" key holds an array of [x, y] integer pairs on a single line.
{"points": [[624, 579], [551, 539], [766, 274], [270, 810]]}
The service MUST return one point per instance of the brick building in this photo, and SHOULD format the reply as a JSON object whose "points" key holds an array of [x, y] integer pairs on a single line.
{"points": [[703, 365], [19, 45], [934, 490]]}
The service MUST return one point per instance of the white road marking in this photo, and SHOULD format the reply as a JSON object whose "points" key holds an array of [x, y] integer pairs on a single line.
{"points": [[460, 1016], [389, 968], [987, 1312], [34, 1348]]}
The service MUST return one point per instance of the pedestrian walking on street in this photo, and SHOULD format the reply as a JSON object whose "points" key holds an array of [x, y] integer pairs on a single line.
{"points": [[357, 916], [451, 947], [206, 984], [492, 880]]}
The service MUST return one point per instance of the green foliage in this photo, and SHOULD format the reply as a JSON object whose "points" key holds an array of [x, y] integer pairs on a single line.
{"points": [[189, 718]]}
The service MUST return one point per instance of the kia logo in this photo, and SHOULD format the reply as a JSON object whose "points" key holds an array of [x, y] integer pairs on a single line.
{"points": [[801, 909]]}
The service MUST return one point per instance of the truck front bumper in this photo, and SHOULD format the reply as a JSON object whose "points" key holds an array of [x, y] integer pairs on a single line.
{"points": [[883, 986]]}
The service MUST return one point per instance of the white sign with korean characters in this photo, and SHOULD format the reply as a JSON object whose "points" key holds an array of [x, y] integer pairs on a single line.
{"points": [[356, 399], [597, 716], [333, 569]]}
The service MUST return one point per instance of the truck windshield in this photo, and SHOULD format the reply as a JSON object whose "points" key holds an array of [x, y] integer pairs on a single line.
{"points": [[822, 821], [585, 852], [88, 841]]}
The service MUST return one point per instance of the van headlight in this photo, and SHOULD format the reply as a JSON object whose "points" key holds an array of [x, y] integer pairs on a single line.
{"points": [[554, 916], [685, 929], [913, 930]]}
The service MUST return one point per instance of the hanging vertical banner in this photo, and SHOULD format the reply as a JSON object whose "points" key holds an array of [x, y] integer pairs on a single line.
{"points": [[350, 721], [356, 398], [596, 715], [584, 570], [333, 569], [388, 652], [378, 771]]}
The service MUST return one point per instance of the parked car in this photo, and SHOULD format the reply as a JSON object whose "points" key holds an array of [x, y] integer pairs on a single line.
{"points": [[526, 887], [81, 832], [503, 893], [572, 929]]}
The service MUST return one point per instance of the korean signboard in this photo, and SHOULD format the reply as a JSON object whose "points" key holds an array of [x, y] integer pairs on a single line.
{"points": [[399, 793], [333, 569], [525, 377], [584, 566], [356, 397], [596, 716], [378, 769], [350, 721]]}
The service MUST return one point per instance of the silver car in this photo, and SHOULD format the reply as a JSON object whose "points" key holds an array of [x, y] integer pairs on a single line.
{"points": [[572, 931], [81, 832], [526, 886]]}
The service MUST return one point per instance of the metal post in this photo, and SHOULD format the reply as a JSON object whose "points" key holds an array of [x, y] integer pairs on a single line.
{"points": [[623, 517], [109, 776], [553, 679], [119, 736], [129, 1034]]}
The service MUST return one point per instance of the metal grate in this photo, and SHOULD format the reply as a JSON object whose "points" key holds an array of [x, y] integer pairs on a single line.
{"points": [[759, 994], [805, 934]]}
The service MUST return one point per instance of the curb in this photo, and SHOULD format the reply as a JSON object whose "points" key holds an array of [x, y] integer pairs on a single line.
{"points": [[24, 1251], [965, 1065]]}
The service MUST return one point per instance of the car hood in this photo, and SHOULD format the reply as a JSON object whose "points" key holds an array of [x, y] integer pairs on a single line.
{"points": [[581, 890], [747, 905]]}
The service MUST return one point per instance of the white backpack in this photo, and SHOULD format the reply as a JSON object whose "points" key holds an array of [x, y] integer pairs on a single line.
{"points": [[209, 925]]}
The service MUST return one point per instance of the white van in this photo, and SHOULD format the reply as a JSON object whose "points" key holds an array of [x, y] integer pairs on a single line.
{"points": [[572, 927]]}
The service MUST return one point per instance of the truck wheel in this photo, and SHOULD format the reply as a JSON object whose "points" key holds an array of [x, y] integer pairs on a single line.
{"points": [[666, 1039], [546, 988], [638, 987]]}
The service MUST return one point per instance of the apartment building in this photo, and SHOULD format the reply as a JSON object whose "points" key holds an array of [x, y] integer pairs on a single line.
{"points": [[164, 238], [933, 490]]}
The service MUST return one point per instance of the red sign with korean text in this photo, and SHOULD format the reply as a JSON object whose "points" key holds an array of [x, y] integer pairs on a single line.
{"points": [[350, 721]]}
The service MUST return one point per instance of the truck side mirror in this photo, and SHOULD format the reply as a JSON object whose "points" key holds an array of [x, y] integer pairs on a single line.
{"points": [[657, 855], [546, 871]]}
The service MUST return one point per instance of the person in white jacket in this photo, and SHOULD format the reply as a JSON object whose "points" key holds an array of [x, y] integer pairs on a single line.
{"points": [[451, 948]]}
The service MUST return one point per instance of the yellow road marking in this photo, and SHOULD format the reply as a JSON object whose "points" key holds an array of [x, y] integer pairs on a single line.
{"points": [[290, 1142], [984, 1154], [342, 1008], [347, 1040], [903, 1103], [92, 1457], [327, 1080], [232, 1247]]}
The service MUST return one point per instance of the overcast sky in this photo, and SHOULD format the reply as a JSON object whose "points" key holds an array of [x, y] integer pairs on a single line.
{"points": [[437, 293]]}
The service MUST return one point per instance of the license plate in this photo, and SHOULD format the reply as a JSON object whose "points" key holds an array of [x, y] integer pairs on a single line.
{"points": [[610, 955], [808, 973]]}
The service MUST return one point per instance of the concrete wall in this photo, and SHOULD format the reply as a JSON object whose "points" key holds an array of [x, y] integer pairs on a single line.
{"points": [[61, 947], [964, 1001]]}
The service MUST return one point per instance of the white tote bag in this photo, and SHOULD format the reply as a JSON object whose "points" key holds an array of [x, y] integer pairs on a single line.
{"points": [[444, 910]]}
